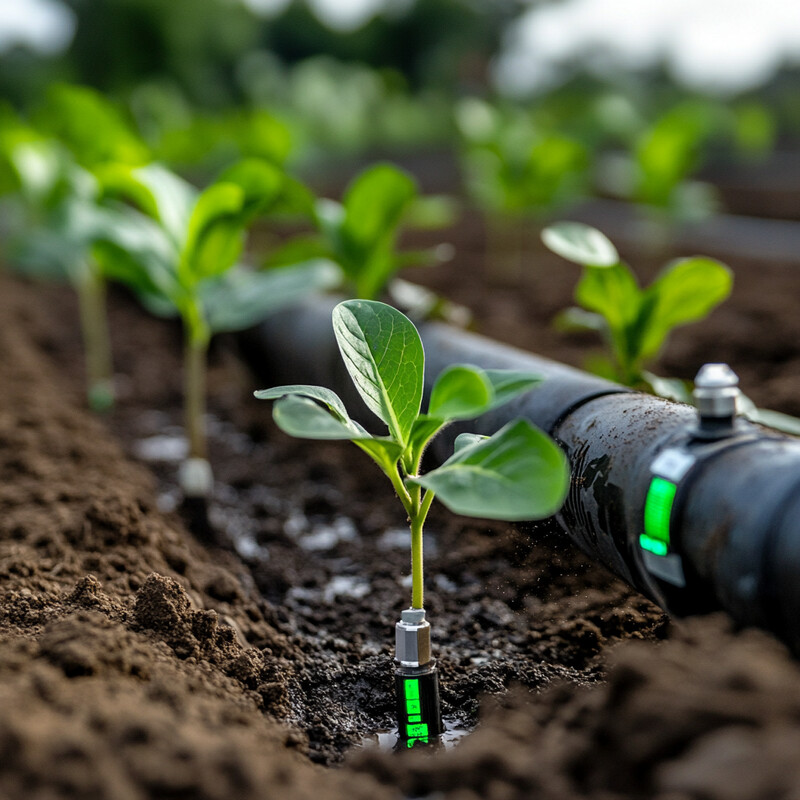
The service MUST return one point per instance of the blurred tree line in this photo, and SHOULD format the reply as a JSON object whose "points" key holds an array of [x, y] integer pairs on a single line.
{"points": [[200, 45]]}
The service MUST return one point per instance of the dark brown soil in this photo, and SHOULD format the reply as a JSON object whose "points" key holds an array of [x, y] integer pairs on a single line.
{"points": [[136, 661]]}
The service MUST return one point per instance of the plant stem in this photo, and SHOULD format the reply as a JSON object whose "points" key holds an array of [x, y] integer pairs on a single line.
{"points": [[400, 489], [194, 476], [417, 586], [421, 506], [195, 394], [91, 290]]}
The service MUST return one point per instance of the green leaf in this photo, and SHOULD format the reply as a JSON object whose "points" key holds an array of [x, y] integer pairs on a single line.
{"points": [[375, 203], [510, 383], [39, 167], [383, 354], [687, 290], [612, 292], [425, 428], [215, 234], [156, 191], [242, 298], [261, 183], [580, 243], [385, 452], [305, 419], [330, 216], [578, 320], [671, 388], [775, 419], [465, 440], [134, 250], [519, 473], [295, 200], [320, 393], [460, 392], [602, 365], [90, 126]]}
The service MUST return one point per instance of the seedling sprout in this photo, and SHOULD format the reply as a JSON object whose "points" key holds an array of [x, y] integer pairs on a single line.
{"points": [[634, 322], [518, 473], [361, 233], [57, 199], [184, 259]]}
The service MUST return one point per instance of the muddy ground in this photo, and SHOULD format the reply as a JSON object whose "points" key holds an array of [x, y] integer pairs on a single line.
{"points": [[137, 660]]}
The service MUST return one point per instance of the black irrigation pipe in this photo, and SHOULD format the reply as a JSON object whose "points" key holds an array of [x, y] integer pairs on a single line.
{"points": [[695, 516]]}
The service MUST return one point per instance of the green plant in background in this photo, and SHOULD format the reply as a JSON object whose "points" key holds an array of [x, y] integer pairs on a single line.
{"points": [[754, 130], [668, 153], [518, 473], [361, 233], [186, 138], [92, 128], [184, 259], [635, 322], [520, 171], [58, 221]]}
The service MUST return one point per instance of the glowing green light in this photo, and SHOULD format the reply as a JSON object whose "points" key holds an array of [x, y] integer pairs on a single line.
{"points": [[658, 510], [412, 689], [417, 731], [655, 546]]}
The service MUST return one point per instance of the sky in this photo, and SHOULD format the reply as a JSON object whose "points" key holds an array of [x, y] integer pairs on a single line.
{"points": [[44, 25], [721, 46]]}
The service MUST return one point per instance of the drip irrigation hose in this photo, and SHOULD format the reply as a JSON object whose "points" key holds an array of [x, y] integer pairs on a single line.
{"points": [[696, 509]]}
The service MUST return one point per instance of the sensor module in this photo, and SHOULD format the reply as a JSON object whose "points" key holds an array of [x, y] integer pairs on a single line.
{"points": [[419, 716]]}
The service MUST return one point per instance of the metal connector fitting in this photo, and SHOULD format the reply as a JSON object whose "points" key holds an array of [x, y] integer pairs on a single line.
{"points": [[412, 638], [716, 392]]}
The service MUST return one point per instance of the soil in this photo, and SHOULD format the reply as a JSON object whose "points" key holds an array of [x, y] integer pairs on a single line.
{"points": [[138, 660]]}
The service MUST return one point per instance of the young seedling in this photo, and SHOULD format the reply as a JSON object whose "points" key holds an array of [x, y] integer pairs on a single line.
{"points": [[657, 173], [184, 259], [360, 233], [49, 168], [59, 220], [518, 473], [520, 171], [634, 322]]}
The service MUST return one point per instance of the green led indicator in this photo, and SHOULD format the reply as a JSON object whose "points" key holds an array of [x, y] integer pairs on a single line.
{"points": [[417, 731], [655, 546], [413, 703], [657, 513], [412, 689]]}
